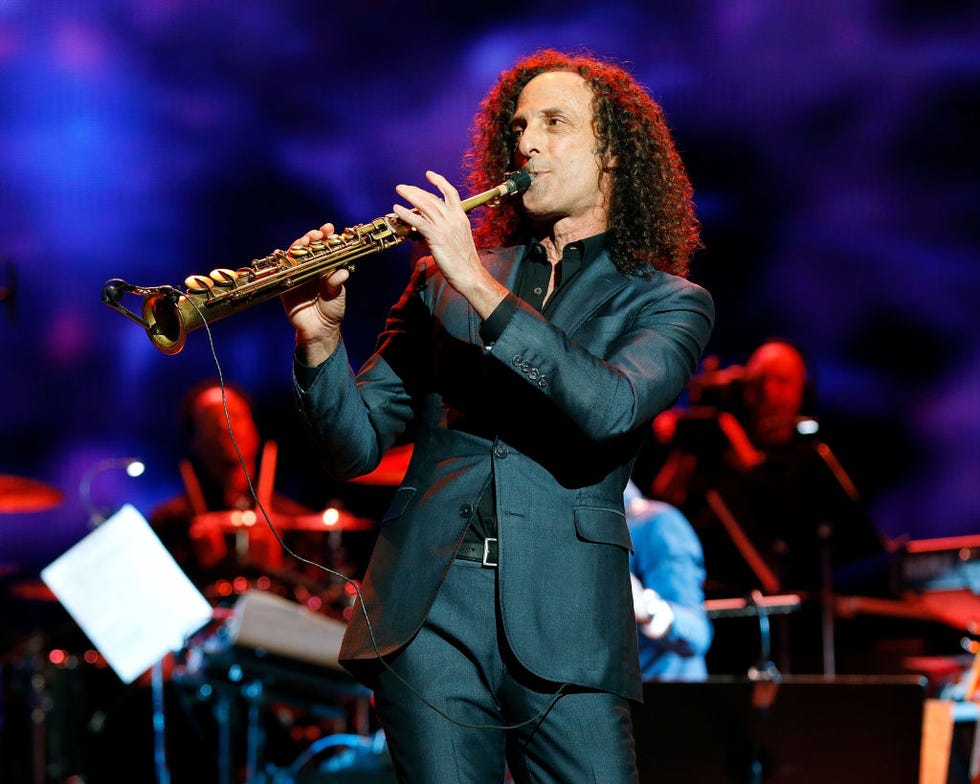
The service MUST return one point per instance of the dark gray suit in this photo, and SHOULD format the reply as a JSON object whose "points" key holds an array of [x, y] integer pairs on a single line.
{"points": [[555, 411]]}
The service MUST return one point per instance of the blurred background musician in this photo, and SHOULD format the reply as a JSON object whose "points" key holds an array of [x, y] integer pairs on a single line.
{"points": [[667, 572], [218, 534], [214, 528], [771, 503]]}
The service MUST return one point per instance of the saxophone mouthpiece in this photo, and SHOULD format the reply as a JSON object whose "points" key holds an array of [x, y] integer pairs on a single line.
{"points": [[518, 182]]}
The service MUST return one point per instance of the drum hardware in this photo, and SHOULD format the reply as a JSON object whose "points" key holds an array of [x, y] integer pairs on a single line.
{"points": [[133, 467], [237, 520], [57, 691], [255, 545]]}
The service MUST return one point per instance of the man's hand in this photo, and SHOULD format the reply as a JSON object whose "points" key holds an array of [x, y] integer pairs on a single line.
{"points": [[444, 225], [653, 615], [316, 309]]}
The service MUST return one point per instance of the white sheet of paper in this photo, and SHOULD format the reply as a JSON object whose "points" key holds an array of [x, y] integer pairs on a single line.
{"points": [[126, 592]]}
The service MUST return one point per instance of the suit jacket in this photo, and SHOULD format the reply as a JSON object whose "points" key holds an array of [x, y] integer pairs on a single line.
{"points": [[555, 411]]}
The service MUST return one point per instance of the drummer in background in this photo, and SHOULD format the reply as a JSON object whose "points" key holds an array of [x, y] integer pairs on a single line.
{"points": [[197, 526]]}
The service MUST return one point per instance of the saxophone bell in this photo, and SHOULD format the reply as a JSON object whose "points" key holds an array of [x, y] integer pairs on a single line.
{"points": [[158, 303]]}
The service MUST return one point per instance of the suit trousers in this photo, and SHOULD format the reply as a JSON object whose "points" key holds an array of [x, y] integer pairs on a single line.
{"points": [[455, 704]]}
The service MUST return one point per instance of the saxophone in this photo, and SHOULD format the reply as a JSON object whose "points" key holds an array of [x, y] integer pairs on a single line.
{"points": [[169, 313]]}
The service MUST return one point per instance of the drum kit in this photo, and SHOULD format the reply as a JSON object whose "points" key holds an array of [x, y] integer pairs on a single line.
{"points": [[302, 557], [62, 686], [253, 538]]}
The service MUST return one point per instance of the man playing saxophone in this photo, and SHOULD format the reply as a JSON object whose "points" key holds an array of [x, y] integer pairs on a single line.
{"points": [[526, 359]]}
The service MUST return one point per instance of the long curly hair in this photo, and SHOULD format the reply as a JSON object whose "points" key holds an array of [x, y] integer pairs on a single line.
{"points": [[651, 211]]}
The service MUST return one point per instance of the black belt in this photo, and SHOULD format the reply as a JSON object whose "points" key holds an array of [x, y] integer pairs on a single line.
{"points": [[484, 551]]}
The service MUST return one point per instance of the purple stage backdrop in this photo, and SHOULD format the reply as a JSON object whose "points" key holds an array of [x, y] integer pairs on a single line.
{"points": [[833, 148]]}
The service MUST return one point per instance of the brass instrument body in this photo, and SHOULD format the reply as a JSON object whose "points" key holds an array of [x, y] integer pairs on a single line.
{"points": [[168, 313]]}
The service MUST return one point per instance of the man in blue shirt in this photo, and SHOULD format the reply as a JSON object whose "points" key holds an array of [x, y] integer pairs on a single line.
{"points": [[667, 571]]}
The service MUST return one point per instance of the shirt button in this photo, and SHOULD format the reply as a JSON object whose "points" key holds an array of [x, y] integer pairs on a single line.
{"points": [[466, 510], [500, 451], [538, 290]]}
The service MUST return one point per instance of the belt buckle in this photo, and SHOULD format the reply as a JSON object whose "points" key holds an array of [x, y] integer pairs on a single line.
{"points": [[486, 552]]}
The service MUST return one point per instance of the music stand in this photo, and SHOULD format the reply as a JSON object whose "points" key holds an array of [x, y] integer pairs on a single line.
{"points": [[758, 606], [128, 595]]}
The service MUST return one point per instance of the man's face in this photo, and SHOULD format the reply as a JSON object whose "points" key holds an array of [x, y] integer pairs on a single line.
{"points": [[211, 442], [775, 378], [556, 141]]}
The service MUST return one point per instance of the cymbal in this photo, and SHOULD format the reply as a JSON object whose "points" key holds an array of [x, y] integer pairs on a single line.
{"points": [[391, 470], [235, 520], [34, 591], [232, 520], [19, 494], [329, 520]]}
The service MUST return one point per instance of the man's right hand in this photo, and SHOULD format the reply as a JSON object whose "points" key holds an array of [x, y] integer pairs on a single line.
{"points": [[316, 309]]}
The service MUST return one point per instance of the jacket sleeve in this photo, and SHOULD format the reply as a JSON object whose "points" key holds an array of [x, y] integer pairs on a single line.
{"points": [[642, 372], [354, 419]]}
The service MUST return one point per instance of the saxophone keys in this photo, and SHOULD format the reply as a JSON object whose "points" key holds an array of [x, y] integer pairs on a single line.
{"points": [[225, 278], [198, 284]]}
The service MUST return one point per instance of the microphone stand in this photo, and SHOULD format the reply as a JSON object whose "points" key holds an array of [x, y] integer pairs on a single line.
{"points": [[825, 532], [159, 725], [134, 467]]}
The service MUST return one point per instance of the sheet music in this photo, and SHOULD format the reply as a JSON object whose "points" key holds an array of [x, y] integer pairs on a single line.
{"points": [[126, 592]]}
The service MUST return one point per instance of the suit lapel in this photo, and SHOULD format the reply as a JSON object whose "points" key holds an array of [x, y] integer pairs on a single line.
{"points": [[587, 292]]}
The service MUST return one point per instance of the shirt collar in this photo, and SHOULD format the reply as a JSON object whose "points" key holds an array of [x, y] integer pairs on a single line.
{"points": [[589, 248]]}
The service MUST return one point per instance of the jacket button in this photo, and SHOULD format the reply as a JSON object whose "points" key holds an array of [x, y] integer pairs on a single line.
{"points": [[466, 510], [518, 358], [500, 451]]}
